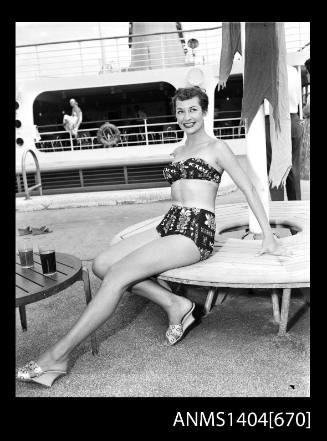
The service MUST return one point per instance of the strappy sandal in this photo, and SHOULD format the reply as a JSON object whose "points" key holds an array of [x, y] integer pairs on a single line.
{"points": [[176, 333], [42, 230], [24, 231], [32, 372]]}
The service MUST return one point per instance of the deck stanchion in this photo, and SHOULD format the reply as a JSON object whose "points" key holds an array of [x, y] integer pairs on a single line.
{"points": [[146, 132]]}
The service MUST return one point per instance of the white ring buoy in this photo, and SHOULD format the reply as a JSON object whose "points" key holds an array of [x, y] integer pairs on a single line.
{"points": [[108, 135]]}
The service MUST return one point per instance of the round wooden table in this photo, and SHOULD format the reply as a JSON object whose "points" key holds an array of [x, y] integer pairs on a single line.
{"points": [[32, 285]]}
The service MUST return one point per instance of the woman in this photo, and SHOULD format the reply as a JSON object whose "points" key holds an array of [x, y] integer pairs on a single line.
{"points": [[183, 237]]}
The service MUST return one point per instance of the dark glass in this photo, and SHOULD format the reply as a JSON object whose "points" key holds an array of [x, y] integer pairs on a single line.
{"points": [[48, 262]]}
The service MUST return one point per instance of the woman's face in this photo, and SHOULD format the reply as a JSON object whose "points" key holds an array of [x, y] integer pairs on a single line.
{"points": [[189, 115]]}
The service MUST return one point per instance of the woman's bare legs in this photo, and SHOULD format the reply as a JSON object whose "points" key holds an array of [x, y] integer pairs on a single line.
{"points": [[158, 292], [150, 259]]}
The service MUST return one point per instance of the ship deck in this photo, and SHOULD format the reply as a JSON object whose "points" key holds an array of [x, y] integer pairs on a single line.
{"points": [[235, 352]]}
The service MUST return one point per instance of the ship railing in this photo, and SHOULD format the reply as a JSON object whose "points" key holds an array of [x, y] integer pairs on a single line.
{"points": [[145, 134], [117, 54], [231, 128], [96, 56]]}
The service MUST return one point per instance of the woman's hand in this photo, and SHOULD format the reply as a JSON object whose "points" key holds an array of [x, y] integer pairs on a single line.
{"points": [[270, 245]]}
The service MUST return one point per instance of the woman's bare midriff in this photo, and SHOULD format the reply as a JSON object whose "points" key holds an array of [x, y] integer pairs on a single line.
{"points": [[194, 193]]}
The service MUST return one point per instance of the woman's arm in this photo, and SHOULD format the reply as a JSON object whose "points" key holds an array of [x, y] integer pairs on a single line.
{"points": [[227, 160]]}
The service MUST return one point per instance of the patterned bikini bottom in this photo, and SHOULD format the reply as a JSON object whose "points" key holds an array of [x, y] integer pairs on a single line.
{"points": [[196, 223]]}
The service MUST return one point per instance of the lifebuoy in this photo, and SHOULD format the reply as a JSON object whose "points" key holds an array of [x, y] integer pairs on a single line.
{"points": [[108, 135]]}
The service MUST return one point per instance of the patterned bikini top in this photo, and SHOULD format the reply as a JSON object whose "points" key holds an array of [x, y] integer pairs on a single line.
{"points": [[191, 168]]}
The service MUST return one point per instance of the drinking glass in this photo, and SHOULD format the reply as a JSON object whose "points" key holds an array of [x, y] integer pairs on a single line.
{"points": [[48, 258], [25, 251]]}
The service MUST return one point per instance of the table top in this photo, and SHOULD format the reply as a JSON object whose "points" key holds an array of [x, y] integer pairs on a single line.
{"points": [[32, 285]]}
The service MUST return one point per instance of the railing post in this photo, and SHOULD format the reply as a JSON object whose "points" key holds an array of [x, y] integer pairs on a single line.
{"points": [[118, 58], [71, 141], [81, 55], [146, 132], [38, 61], [162, 51]]}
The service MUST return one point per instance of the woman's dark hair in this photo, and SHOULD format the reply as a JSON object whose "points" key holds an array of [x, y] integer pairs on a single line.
{"points": [[307, 64], [187, 93]]}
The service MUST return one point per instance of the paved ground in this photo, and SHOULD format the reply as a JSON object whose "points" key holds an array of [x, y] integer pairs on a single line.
{"points": [[234, 352]]}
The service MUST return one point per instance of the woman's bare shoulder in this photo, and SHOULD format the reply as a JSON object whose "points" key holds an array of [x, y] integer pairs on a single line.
{"points": [[223, 154], [220, 147], [176, 151]]}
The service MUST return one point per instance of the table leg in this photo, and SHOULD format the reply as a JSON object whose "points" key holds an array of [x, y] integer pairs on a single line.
{"points": [[222, 294], [88, 297], [284, 311], [22, 314], [275, 304], [208, 302]]}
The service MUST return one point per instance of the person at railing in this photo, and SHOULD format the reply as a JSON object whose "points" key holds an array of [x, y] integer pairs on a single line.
{"points": [[169, 135], [140, 114], [140, 117], [184, 236], [72, 122]]}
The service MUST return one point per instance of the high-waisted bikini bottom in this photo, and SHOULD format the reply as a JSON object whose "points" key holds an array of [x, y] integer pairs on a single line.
{"points": [[196, 223]]}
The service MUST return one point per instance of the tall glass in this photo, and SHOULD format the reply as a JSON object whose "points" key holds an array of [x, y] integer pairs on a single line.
{"points": [[25, 251], [48, 258]]}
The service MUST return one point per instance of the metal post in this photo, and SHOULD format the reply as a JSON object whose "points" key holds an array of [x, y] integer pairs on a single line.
{"points": [[38, 61], [146, 132], [38, 174], [103, 54], [162, 51], [81, 55], [117, 50]]}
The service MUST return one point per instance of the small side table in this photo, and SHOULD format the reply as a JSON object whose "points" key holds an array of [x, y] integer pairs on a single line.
{"points": [[32, 285]]}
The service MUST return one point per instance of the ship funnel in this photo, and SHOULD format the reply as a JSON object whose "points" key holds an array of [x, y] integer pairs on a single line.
{"points": [[159, 50]]}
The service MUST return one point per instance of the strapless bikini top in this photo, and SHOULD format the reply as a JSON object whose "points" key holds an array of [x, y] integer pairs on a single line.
{"points": [[191, 168]]}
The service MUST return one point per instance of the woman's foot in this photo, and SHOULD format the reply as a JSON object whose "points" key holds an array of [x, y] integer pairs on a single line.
{"points": [[48, 361], [43, 371], [178, 309], [180, 326]]}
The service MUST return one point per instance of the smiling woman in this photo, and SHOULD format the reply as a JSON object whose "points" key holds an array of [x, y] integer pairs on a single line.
{"points": [[183, 237]]}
